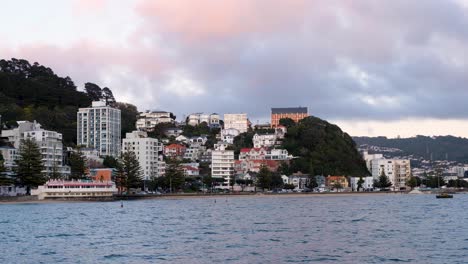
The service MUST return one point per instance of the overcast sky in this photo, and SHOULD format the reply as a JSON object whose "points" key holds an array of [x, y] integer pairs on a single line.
{"points": [[386, 68]]}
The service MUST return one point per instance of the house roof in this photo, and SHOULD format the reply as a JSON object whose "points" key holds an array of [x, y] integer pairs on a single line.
{"points": [[175, 146], [289, 110]]}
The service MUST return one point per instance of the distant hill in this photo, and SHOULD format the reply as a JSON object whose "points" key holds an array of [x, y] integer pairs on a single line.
{"points": [[441, 147], [35, 92]]}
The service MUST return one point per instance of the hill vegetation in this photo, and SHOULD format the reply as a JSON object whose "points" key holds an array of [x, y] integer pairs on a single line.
{"points": [[439, 148], [322, 148], [34, 92]]}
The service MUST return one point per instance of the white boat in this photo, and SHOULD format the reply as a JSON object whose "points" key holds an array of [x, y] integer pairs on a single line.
{"points": [[74, 189]]}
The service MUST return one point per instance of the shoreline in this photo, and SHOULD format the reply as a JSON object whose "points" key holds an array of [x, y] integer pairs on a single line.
{"points": [[34, 200]]}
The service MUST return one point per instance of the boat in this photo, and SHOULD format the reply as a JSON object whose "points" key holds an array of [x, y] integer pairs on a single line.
{"points": [[444, 195]]}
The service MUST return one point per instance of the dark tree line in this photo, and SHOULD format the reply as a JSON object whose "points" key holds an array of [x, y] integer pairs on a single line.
{"points": [[34, 92]]}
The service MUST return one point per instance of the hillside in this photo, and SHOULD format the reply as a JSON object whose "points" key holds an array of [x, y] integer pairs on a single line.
{"points": [[323, 148], [442, 147], [35, 92]]}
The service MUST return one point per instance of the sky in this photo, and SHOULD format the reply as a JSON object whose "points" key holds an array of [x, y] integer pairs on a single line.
{"points": [[375, 68]]}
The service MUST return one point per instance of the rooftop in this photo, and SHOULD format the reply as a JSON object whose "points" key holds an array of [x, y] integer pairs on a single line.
{"points": [[289, 110]]}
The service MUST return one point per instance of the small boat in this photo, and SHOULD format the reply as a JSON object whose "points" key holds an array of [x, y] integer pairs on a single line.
{"points": [[444, 195]]}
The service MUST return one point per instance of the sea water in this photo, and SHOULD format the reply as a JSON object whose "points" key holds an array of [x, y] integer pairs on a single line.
{"points": [[266, 229]]}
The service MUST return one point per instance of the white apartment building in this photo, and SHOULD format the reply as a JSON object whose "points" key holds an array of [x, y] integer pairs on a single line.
{"points": [[212, 120], [99, 127], [49, 143], [222, 166], [147, 150], [236, 121], [148, 120], [398, 171]]}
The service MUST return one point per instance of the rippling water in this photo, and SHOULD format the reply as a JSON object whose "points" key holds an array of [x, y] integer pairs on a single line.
{"points": [[328, 229]]}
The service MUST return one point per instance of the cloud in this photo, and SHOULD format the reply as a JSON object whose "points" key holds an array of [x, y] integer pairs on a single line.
{"points": [[345, 60]]}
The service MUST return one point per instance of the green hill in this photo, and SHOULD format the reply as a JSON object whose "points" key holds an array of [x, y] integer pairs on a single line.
{"points": [[323, 148], [35, 92]]}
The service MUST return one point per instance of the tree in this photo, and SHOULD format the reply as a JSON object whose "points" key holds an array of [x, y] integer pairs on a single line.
{"points": [[108, 96], [276, 181], [337, 185], [414, 182], [289, 186], [29, 165], [4, 180], [110, 162], [383, 181], [93, 91], [287, 122], [264, 177], [175, 177], [312, 182], [77, 165], [129, 171], [284, 168], [360, 183]]}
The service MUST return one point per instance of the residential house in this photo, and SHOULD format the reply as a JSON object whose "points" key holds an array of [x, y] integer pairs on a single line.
{"points": [[148, 120], [175, 150], [333, 181], [228, 135]]}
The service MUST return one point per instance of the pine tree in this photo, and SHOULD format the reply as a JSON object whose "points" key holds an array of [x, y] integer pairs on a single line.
{"points": [[77, 165], [129, 171], [264, 177], [175, 178], [29, 165]]}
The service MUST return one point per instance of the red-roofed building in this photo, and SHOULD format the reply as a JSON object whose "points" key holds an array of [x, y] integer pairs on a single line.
{"points": [[190, 171], [264, 154], [333, 181], [174, 150]]}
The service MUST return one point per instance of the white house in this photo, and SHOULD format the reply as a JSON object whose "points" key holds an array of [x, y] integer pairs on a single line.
{"points": [[182, 139], [228, 135], [264, 140], [367, 185], [148, 120]]}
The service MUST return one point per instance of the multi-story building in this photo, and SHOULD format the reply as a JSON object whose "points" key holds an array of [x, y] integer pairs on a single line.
{"points": [[212, 120], [236, 121], [99, 127], [222, 166], [148, 120], [295, 113], [397, 170], [264, 140], [148, 151], [49, 143]]}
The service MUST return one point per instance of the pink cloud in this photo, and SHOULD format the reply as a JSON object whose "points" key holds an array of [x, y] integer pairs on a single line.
{"points": [[197, 20]]}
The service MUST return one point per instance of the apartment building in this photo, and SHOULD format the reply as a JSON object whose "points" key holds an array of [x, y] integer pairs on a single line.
{"points": [[99, 127], [147, 150], [236, 121], [222, 166], [295, 113]]}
